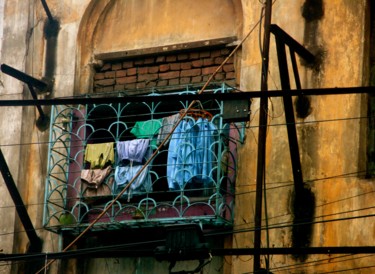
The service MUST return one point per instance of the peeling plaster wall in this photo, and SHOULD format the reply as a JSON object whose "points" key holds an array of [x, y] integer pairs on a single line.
{"points": [[12, 16], [327, 149], [26, 19]]}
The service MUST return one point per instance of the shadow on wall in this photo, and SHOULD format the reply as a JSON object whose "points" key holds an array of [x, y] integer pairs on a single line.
{"points": [[303, 210], [312, 11]]}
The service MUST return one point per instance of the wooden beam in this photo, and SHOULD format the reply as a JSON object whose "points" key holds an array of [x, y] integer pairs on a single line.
{"points": [[108, 56]]}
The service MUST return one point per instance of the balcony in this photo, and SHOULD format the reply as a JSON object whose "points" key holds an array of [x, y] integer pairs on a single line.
{"points": [[191, 179]]}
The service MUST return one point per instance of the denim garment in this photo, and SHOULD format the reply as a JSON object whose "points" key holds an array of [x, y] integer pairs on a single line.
{"points": [[124, 174], [205, 154], [180, 157], [190, 154]]}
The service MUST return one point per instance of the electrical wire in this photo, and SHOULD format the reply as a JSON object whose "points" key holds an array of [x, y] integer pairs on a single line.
{"points": [[320, 262], [270, 125], [239, 127], [156, 151], [272, 188]]}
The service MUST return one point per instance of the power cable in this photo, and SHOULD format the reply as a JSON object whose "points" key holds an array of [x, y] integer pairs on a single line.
{"points": [[156, 151], [319, 262], [239, 127]]}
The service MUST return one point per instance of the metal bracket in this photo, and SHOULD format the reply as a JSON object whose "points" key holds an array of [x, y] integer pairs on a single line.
{"points": [[42, 122]]}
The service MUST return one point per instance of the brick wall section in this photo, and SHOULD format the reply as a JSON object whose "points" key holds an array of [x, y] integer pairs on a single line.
{"points": [[185, 68]]}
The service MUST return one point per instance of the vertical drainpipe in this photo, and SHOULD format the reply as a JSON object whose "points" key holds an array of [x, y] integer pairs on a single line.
{"points": [[262, 138]]}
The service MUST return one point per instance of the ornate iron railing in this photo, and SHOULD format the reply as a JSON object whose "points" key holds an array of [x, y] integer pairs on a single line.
{"points": [[190, 180]]}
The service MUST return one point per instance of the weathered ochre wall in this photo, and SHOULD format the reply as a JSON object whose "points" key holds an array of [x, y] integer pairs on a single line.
{"points": [[13, 53], [330, 142], [329, 139], [113, 26]]}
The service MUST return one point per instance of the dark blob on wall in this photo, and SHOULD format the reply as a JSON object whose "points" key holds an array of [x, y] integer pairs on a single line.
{"points": [[303, 106], [51, 31], [303, 209], [312, 10]]}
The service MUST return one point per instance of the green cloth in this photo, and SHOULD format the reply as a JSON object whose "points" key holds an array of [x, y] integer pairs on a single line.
{"points": [[147, 130], [98, 155]]}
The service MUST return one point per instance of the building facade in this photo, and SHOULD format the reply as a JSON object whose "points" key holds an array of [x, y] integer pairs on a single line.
{"points": [[125, 67]]}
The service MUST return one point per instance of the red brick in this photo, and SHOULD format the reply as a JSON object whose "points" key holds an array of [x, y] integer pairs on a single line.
{"points": [[194, 55], [174, 82], [169, 75], [126, 80], [116, 66], [105, 82], [140, 85], [139, 62], [186, 65], [183, 56], [175, 66], [121, 73], [104, 89], [196, 79], [215, 53], [209, 70], [205, 78], [109, 74], [147, 77], [230, 75], [208, 62], [128, 64], [185, 80], [171, 58], [162, 83], [131, 71], [106, 67], [151, 84], [204, 54], [160, 59], [99, 76], [219, 76], [219, 60], [142, 70], [119, 87], [130, 86], [197, 63], [230, 60], [154, 69], [164, 67], [149, 61], [191, 72], [228, 67]]}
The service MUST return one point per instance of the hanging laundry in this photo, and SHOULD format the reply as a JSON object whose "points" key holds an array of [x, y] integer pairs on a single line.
{"points": [[191, 153], [105, 189], [131, 155], [181, 157], [99, 155], [167, 125], [133, 150], [147, 130], [141, 185], [205, 152], [95, 177]]}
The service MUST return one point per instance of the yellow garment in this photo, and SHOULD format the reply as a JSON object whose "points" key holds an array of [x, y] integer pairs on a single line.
{"points": [[98, 155]]}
